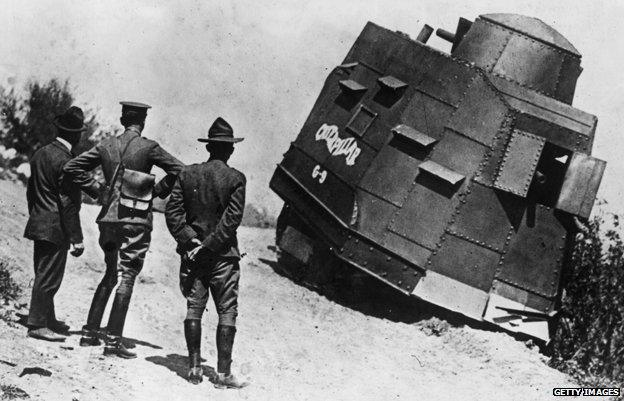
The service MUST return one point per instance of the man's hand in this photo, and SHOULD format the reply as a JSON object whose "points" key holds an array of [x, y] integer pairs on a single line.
{"points": [[192, 254], [76, 249], [103, 195]]}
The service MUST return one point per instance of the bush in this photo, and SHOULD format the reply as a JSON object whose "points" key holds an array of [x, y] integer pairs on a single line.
{"points": [[589, 337], [27, 119], [9, 290]]}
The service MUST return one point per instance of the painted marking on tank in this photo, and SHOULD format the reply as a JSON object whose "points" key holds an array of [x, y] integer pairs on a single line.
{"points": [[338, 146], [321, 174]]}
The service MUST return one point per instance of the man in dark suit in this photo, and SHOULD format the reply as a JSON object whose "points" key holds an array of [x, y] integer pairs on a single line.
{"points": [[125, 232], [203, 214], [54, 223]]}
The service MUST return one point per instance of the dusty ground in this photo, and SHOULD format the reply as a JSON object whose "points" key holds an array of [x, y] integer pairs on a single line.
{"points": [[292, 343]]}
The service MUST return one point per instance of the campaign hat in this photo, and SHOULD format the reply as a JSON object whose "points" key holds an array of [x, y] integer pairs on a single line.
{"points": [[220, 131]]}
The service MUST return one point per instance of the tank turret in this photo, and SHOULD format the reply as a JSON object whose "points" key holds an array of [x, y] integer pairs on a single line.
{"points": [[522, 49]]}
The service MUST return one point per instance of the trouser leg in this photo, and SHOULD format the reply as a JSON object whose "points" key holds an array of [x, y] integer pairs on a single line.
{"points": [[132, 252], [198, 294], [196, 299], [223, 283], [224, 288], [52, 314], [109, 245], [136, 240], [49, 262]]}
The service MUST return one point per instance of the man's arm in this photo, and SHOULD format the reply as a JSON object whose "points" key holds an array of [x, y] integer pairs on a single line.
{"points": [[230, 220], [76, 169], [175, 215], [30, 191], [69, 209], [170, 165]]}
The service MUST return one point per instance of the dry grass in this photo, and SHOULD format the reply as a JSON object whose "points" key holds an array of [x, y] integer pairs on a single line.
{"points": [[589, 338]]}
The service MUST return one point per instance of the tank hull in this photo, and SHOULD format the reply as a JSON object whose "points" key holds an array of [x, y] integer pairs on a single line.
{"points": [[428, 172]]}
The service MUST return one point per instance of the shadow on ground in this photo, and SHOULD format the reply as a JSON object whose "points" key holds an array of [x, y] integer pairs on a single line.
{"points": [[22, 319], [35, 371], [365, 294], [178, 364]]}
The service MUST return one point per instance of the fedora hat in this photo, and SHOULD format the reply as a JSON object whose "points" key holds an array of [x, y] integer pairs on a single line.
{"points": [[71, 121], [220, 131]]}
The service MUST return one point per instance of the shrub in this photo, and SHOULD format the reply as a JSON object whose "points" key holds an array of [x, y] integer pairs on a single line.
{"points": [[27, 119], [9, 290], [589, 337]]}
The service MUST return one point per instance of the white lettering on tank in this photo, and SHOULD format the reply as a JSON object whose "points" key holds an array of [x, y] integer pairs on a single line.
{"points": [[321, 174], [338, 146]]}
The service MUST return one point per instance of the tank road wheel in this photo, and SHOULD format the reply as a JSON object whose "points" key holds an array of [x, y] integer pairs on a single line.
{"points": [[300, 256], [287, 264]]}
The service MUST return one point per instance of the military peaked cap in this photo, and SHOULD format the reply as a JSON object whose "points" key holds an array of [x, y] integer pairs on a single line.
{"points": [[136, 108]]}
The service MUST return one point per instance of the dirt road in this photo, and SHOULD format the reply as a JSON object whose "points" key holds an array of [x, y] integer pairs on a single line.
{"points": [[292, 343]]}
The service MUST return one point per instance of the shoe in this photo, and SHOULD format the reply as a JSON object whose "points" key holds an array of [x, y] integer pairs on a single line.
{"points": [[114, 347], [89, 338], [228, 381], [44, 333], [58, 326]]}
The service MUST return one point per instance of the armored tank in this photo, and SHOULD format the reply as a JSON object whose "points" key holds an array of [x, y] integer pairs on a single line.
{"points": [[459, 178]]}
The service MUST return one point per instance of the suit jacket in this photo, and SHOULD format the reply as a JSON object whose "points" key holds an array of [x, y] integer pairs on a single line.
{"points": [[53, 200], [139, 154], [207, 202]]}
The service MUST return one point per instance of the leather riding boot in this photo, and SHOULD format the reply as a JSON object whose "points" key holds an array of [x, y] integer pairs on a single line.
{"points": [[90, 331], [115, 347], [118, 313], [192, 333], [89, 337], [98, 304], [225, 342]]}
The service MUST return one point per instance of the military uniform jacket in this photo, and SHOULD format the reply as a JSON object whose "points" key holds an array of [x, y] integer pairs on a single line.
{"points": [[53, 200], [139, 154], [207, 202]]}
